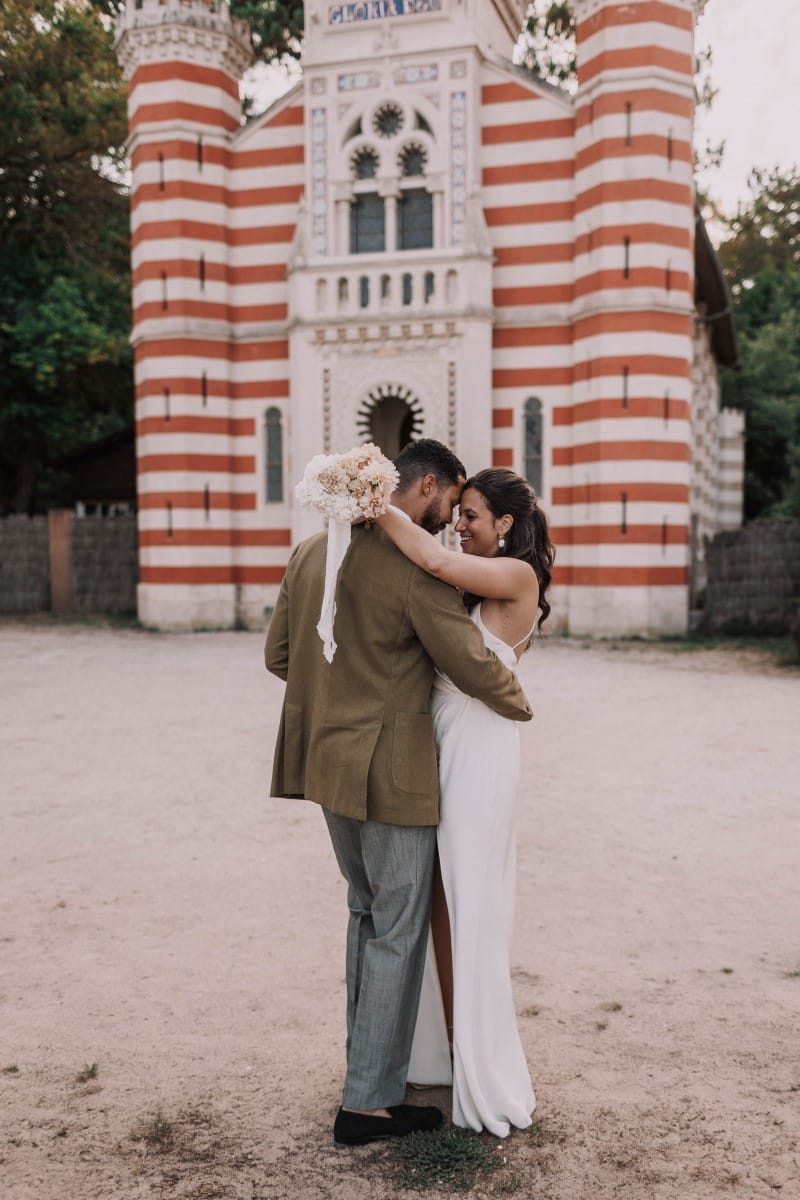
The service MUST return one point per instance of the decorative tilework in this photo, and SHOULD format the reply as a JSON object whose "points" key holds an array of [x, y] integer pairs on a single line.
{"points": [[326, 410], [458, 165], [319, 182], [425, 73], [458, 69], [357, 81], [318, 86]]}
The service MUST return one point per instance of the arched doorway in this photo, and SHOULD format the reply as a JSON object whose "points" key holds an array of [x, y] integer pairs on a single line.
{"points": [[391, 417]]}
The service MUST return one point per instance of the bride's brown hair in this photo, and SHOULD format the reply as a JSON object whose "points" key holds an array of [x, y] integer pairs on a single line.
{"points": [[505, 492]]}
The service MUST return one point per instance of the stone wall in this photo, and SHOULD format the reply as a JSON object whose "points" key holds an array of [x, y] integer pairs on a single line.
{"points": [[24, 567], [753, 578], [104, 564], [99, 576]]}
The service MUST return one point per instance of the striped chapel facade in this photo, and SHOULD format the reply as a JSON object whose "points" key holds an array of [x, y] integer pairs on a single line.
{"points": [[421, 239]]}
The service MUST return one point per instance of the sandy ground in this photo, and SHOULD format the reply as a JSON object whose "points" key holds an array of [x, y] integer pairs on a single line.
{"points": [[164, 920]]}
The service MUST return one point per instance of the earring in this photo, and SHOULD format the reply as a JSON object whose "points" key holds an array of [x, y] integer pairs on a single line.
{"points": [[501, 542]]}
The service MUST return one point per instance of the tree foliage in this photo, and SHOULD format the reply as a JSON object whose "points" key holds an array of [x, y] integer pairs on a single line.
{"points": [[276, 29], [65, 372], [761, 258], [550, 47]]}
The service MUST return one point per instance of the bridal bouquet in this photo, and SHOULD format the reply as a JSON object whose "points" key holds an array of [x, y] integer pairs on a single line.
{"points": [[349, 487]]}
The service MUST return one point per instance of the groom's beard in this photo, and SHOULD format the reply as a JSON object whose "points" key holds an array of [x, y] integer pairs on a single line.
{"points": [[431, 519]]}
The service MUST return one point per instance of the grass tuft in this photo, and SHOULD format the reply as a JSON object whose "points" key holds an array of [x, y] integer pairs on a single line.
{"points": [[89, 1072], [448, 1159], [157, 1134], [11, 1069]]}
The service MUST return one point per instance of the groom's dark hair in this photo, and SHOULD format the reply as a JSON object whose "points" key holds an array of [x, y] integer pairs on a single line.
{"points": [[428, 457]]}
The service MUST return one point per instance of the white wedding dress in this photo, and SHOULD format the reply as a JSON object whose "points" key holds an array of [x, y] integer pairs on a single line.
{"points": [[479, 773]]}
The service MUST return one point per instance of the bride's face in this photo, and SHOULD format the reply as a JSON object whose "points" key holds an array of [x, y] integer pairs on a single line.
{"points": [[476, 526]]}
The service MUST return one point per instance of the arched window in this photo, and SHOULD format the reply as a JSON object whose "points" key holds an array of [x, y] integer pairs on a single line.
{"points": [[273, 455], [367, 224], [414, 219], [533, 443], [367, 215]]}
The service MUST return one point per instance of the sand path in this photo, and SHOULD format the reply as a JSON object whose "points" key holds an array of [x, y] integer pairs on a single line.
{"points": [[160, 917]]}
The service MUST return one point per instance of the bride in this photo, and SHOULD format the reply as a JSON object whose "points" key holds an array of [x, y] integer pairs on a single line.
{"points": [[466, 1030]]}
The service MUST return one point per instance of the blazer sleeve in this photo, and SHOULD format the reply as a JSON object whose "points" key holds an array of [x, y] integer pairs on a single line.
{"points": [[276, 648], [454, 643]]}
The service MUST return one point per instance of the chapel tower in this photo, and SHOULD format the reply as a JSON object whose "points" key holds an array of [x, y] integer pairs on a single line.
{"points": [[211, 234], [622, 449]]}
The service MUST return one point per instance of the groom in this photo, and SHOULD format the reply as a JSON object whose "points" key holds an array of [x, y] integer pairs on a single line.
{"points": [[356, 737]]}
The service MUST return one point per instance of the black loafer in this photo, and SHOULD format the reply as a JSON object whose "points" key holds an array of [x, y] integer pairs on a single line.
{"points": [[356, 1129]]}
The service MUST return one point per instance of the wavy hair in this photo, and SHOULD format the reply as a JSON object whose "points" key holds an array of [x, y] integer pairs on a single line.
{"points": [[507, 493]]}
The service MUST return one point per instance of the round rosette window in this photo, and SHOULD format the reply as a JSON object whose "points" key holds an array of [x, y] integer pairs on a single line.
{"points": [[388, 120]]}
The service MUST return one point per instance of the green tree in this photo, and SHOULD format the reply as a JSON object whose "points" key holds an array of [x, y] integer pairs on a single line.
{"points": [[65, 365], [761, 258], [276, 29], [550, 48]]}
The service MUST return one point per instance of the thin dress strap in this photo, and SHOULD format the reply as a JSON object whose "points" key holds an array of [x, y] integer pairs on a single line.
{"points": [[527, 637]]}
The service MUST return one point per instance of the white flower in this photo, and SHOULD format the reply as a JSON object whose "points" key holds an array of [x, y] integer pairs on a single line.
{"points": [[349, 486]]}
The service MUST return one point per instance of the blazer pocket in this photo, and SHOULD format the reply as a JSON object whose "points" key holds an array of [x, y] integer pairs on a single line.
{"points": [[414, 767]]}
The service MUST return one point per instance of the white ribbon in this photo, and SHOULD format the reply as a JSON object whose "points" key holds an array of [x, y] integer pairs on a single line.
{"points": [[338, 542]]}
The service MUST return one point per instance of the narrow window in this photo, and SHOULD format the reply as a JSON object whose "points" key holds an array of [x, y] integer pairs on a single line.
{"points": [[161, 172], [386, 287], [664, 536], [204, 388], [169, 518], [533, 442], [669, 147], [322, 295], [407, 288], [626, 269], [166, 404], [363, 291], [666, 407], [624, 387], [201, 272], [624, 521], [429, 285], [367, 224], [164, 290], [206, 501], [668, 277], [628, 124], [343, 292], [415, 220], [273, 455], [200, 153]]}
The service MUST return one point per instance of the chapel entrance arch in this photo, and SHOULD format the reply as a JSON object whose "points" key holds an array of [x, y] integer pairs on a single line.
{"points": [[391, 417]]}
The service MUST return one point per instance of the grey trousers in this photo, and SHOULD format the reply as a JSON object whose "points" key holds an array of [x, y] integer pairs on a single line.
{"points": [[389, 873]]}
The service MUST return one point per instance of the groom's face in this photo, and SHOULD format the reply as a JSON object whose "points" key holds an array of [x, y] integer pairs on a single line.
{"points": [[440, 508]]}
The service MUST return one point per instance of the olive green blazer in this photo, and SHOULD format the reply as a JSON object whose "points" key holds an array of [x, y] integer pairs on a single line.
{"points": [[356, 735]]}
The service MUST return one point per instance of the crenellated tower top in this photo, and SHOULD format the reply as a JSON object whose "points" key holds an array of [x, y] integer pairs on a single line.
{"points": [[203, 31]]}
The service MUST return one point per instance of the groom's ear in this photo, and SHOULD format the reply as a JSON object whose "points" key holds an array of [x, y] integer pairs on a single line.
{"points": [[429, 485]]}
